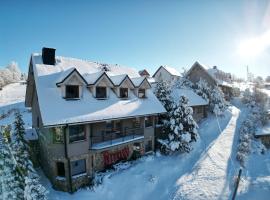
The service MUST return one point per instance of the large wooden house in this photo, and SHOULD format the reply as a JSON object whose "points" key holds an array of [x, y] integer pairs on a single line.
{"points": [[88, 116]]}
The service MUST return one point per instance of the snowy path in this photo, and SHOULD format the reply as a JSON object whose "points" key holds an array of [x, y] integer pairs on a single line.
{"points": [[209, 178]]}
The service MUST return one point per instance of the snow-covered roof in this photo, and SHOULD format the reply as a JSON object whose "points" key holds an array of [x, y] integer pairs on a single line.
{"points": [[213, 72], [170, 70], [194, 99], [56, 110], [263, 131]]}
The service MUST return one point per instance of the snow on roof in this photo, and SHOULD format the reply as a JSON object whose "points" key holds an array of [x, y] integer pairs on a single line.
{"points": [[172, 71], [55, 110], [212, 72], [194, 99], [263, 131], [138, 80], [117, 80]]}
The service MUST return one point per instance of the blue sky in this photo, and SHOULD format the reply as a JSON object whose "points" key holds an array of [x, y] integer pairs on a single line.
{"points": [[139, 33]]}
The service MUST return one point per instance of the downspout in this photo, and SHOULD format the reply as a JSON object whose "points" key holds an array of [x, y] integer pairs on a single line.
{"points": [[68, 160]]}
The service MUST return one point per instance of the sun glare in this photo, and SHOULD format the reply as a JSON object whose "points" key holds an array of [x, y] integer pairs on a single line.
{"points": [[253, 47]]}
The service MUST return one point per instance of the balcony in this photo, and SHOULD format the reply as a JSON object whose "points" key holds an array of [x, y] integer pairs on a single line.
{"points": [[113, 138]]}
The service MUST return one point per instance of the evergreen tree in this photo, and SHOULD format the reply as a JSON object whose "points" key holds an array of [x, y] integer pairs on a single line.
{"points": [[163, 93], [218, 105], [181, 128], [202, 89], [10, 178]]}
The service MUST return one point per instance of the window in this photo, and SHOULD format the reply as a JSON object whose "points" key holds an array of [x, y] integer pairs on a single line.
{"points": [[123, 92], [113, 126], [58, 135], [136, 122], [60, 169], [78, 167], [141, 93], [76, 133], [72, 91], [101, 92], [38, 122], [148, 122], [199, 109]]}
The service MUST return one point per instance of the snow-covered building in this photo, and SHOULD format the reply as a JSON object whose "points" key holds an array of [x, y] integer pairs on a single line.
{"points": [[264, 134], [144, 73], [211, 76], [165, 73], [223, 79], [87, 116]]}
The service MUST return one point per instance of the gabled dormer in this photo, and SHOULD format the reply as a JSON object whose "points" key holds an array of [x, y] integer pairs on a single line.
{"points": [[99, 84], [141, 86], [71, 84], [122, 86]]}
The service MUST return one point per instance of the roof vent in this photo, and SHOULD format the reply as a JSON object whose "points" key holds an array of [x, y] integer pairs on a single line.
{"points": [[48, 56]]}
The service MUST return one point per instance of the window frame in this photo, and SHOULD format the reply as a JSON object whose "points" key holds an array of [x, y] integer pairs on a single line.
{"points": [[78, 138], [101, 87], [55, 136], [70, 97], [72, 167], [123, 92], [144, 93]]}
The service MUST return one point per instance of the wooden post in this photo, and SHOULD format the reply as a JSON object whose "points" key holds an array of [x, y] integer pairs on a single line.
{"points": [[237, 183]]}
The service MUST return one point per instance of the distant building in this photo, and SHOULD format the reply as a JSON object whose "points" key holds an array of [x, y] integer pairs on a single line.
{"points": [[165, 73], [88, 116], [144, 73]]}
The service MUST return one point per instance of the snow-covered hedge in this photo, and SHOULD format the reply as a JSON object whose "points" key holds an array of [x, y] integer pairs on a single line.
{"points": [[257, 117]]}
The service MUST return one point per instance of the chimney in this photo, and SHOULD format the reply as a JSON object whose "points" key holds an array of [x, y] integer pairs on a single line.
{"points": [[214, 67], [48, 56]]}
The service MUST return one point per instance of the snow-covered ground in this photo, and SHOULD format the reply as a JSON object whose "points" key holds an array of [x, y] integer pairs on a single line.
{"points": [[12, 99], [205, 173], [151, 177]]}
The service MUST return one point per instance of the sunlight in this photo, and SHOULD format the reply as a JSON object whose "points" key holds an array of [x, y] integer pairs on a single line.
{"points": [[253, 47]]}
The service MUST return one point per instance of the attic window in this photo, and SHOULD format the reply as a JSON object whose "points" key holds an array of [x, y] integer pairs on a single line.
{"points": [[101, 92], [72, 91], [123, 92], [141, 93]]}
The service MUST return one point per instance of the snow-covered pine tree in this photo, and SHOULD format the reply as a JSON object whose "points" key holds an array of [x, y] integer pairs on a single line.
{"points": [[202, 89], [19, 146], [163, 93], [217, 102], [10, 178], [183, 83], [33, 189], [181, 128]]}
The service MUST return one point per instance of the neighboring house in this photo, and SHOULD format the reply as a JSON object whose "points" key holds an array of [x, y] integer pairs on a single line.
{"points": [[223, 80], [264, 135], [87, 116], [144, 73], [198, 104], [165, 73], [197, 72], [266, 86], [211, 76]]}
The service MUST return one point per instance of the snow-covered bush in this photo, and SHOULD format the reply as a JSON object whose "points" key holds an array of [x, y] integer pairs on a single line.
{"points": [[183, 83], [202, 89], [181, 128]]}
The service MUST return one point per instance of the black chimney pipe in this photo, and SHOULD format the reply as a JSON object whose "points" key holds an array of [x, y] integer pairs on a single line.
{"points": [[48, 56]]}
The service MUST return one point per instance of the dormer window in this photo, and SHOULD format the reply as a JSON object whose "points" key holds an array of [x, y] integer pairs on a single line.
{"points": [[123, 92], [72, 92], [141, 93], [101, 92]]}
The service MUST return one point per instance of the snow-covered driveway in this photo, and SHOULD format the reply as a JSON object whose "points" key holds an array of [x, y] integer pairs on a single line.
{"points": [[210, 176]]}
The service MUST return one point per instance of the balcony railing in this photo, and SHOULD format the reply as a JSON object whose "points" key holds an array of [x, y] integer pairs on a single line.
{"points": [[115, 137]]}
